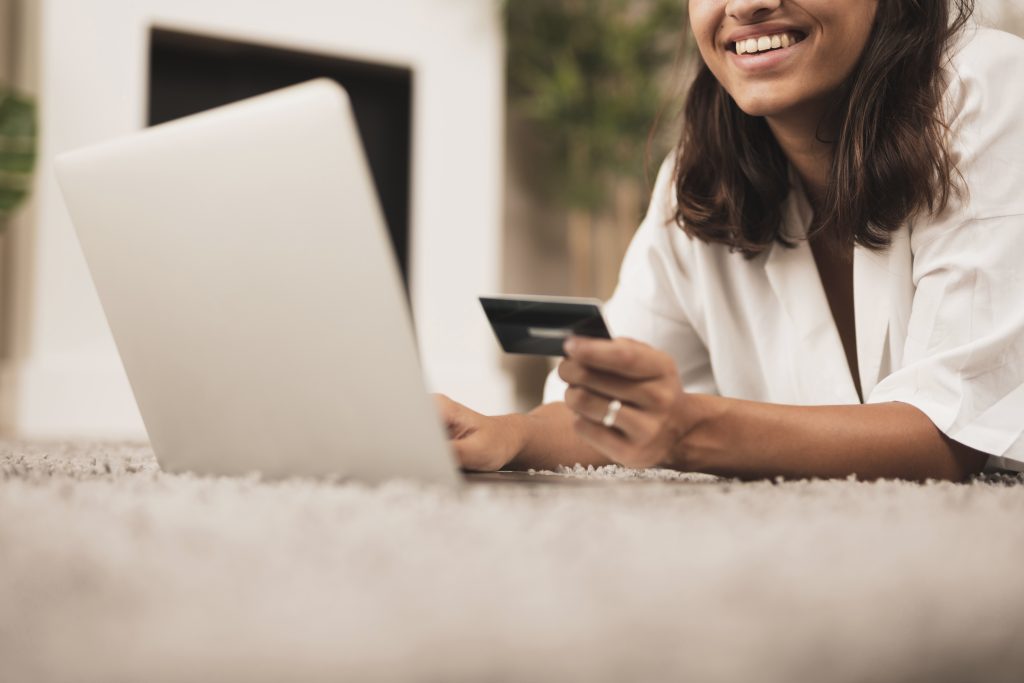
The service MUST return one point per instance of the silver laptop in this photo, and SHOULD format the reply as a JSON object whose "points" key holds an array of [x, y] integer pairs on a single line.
{"points": [[247, 276]]}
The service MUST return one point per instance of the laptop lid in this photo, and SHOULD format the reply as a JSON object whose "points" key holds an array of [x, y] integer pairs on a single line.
{"points": [[245, 271]]}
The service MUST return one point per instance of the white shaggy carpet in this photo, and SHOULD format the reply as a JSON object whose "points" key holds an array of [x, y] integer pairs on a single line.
{"points": [[112, 571]]}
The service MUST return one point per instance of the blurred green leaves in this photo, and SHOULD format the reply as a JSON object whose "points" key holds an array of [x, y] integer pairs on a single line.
{"points": [[17, 150], [588, 76]]}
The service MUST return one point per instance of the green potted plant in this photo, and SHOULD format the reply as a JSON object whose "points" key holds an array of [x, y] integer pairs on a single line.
{"points": [[17, 150], [588, 78], [17, 161]]}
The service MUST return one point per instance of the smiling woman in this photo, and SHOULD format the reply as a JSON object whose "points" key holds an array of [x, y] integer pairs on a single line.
{"points": [[864, 76], [828, 279]]}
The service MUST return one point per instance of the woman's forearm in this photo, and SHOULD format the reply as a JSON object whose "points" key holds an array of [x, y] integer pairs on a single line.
{"points": [[549, 441], [752, 440], [747, 439]]}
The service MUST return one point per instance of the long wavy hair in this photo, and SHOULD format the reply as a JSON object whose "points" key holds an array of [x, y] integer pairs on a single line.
{"points": [[891, 161]]}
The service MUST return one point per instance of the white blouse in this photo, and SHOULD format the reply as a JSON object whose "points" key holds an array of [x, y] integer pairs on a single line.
{"points": [[939, 315]]}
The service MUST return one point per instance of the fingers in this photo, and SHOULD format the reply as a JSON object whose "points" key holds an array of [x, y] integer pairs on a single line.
{"points": [[477, 442], [472, 456], [457, 420], [451, 410], [466, 453], [629, 421], [643, 378], [623, 357], [641, 393], [607, 442], [446, 408]]}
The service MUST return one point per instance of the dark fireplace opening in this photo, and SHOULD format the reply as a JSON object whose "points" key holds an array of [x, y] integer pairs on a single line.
{"points": [[189, 73]]}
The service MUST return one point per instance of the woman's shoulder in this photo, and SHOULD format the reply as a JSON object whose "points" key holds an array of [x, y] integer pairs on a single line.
{"points": [[985, 115], [660, 236], [986, 59]]}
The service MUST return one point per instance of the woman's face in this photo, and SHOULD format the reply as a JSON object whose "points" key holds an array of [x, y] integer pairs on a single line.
{"points": [[777, 57]]}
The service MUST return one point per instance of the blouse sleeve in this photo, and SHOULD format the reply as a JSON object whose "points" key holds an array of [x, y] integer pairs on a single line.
{"points": [[648, 303], [963, 362]]}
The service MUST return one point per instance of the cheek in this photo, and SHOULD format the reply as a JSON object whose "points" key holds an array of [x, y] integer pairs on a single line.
{"points": [[841, 56], [704, 20], [849, 35]]}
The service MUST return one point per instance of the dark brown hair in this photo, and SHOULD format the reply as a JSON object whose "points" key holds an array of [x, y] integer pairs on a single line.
{"points": [[891, 158]]}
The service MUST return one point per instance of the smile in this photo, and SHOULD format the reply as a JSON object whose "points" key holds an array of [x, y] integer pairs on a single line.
{"points": [[765, 43]]}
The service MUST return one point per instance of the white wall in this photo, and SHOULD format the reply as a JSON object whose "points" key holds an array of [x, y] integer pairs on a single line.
{"points": [[65, 379]]}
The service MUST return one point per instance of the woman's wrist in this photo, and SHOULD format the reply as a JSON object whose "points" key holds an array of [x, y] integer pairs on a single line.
{"points": [[519, 428], [696, 417], [544, 439]]}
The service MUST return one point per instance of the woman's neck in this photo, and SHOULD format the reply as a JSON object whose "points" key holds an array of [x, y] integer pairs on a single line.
{"points": [[802, 138]]}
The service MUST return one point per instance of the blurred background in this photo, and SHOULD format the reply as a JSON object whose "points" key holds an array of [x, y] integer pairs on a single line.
{"points": [[513, 143]]}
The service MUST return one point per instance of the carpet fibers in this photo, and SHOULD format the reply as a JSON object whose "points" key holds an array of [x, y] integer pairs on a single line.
{"points": [[113, 571]]}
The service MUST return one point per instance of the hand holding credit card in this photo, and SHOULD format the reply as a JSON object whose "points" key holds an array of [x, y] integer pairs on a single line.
{"points": [[539, 325]]}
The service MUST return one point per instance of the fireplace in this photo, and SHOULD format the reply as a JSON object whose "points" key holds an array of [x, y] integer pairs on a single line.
{"points": [[438, 165], [189, 73]]}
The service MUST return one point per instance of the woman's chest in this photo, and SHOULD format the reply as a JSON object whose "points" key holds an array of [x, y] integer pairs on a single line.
{"points": [[788, 328]]}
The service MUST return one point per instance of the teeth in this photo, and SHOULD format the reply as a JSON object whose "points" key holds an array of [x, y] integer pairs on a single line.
{"points": [[763, 43]]}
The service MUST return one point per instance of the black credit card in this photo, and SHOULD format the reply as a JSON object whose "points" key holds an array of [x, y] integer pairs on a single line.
{"points": [[539, 325]]}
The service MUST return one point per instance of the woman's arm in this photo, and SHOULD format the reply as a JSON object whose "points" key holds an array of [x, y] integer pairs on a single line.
{"points": [[747, 439], [750, 440], [662, 425]]}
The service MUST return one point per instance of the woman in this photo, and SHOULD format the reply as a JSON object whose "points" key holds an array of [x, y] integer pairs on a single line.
{"points": [[830, 280]]}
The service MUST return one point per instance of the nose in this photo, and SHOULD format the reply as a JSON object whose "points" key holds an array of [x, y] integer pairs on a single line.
{"points": [[751, 10]]}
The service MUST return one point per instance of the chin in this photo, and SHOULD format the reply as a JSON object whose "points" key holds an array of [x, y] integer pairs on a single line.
{"points": [[762, 106]]}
